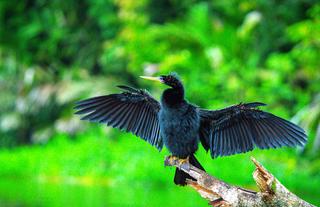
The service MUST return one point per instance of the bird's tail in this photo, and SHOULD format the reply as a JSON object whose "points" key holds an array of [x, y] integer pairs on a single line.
{"points": [[180, 176]]}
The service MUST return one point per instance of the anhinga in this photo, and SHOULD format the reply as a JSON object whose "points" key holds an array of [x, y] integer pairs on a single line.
{"points": [[180, 125]]}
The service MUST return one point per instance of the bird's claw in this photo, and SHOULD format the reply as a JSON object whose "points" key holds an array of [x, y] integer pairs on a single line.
{"points": [[174, 160], [183, 161]]}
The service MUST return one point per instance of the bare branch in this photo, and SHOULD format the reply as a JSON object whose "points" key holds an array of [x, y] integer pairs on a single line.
{"points": [[222, 194]]}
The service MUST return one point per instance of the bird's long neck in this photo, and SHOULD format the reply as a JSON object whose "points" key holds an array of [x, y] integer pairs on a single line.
{"points": [[173, 96]]}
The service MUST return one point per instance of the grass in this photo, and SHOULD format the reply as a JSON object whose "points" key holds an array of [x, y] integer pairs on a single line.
{"points": [[126, 171]]}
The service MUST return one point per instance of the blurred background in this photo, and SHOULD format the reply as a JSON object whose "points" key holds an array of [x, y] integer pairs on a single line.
{"points": [[53, 53]]}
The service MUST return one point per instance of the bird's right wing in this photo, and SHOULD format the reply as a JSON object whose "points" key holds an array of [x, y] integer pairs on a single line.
{"points": [[133, 110], [241, 127]]}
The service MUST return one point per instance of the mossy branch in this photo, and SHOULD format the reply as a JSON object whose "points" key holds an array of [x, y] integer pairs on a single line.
{"points": [[219, 193]]}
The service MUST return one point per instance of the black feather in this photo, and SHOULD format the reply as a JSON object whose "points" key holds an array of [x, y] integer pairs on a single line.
{"points": [[133, 110], [247, 127], [180, 125]]}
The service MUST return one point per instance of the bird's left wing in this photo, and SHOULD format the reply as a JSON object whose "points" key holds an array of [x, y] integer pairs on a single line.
{"points": [[241, 127], [133, 110]]}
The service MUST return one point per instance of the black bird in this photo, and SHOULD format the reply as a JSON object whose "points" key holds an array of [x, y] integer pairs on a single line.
{"points": [[180, 125]]}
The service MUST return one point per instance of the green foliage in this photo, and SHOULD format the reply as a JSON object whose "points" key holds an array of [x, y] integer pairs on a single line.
{"points": [[57, 33], [128, 171]]}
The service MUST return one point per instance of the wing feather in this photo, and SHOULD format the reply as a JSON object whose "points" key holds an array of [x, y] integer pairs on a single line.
{"points": [[289, 139], [132, 118], [222, 141], [142, 130], [151, 132], [276, 139], [227, 142], [124, 116], [240, 128], [233, 138], [133, 110]]}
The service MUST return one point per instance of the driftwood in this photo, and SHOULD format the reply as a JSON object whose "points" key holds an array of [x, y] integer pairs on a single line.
{"points": [[219, 193]]}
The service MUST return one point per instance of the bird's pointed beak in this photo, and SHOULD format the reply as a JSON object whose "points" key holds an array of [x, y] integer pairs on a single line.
{"points": [[151, 78]]}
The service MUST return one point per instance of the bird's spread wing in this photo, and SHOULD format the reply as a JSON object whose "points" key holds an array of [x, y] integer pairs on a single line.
{"points": [[240, 128], [133, 110]]}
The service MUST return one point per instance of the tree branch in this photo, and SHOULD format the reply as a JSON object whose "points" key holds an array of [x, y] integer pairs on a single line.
{"points": [[219, 193]]}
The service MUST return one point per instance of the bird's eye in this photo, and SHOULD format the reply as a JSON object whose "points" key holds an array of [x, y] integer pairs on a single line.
{"points": [[162, 78]]}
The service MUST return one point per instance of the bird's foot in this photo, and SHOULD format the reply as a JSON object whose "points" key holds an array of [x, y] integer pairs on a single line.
{"points": [[174, 160], [184, 161]]}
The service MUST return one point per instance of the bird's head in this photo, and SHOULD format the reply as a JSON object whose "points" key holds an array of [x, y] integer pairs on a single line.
{"points": [[171, 80], [173, 95]]}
